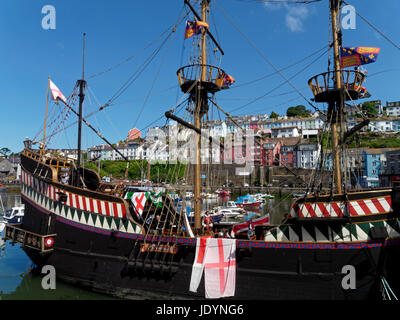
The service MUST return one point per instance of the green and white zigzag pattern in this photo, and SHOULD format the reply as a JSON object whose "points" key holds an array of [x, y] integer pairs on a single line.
{"points": [[80, 216], [347, 232]]}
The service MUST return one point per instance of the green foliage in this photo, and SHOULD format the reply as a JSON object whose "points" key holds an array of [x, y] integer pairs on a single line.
{"points": [[274, 115], [5, 151], [369, 109], [367, 141], [298, 111], [138, 169]]}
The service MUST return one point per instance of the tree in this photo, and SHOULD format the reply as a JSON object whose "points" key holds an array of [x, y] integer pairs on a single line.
{"points": [[5, 151], [274, 115], [369, 109], [298, 111]]}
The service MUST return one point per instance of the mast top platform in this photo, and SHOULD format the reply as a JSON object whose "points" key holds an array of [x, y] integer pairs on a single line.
{"points": [[214, 80], [351, 85]]}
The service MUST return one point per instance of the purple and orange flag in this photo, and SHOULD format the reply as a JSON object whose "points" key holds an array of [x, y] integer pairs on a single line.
{"points": [[194, 27], [356, 56]]}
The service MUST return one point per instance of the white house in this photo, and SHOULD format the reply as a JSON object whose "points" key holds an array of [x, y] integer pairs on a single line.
{"points": [[393, 109], [284, 132], [308, 155]]}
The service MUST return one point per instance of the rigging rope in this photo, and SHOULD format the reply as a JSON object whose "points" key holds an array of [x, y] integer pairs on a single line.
{"points": [[137, 53], [265, 58], [286, 81], [282, 69], [375, 28]]}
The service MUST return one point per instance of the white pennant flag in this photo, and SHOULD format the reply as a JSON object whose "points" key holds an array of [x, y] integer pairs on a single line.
{"points": [[56, 93]]}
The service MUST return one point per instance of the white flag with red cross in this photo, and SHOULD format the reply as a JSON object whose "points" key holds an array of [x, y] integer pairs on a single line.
{"points": [[56, 93], [217, 256], [139, 200]]}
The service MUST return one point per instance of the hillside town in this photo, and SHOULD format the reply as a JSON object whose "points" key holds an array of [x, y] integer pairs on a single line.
{"points": [[280, 140], [289, 141]]}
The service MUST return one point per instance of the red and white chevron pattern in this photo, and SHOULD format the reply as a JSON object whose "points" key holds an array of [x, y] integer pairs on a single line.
{"points": [[337, 209], [111, 209]]}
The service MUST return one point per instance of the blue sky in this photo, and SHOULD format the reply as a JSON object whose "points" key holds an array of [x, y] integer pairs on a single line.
{"points": [[120, 29]]}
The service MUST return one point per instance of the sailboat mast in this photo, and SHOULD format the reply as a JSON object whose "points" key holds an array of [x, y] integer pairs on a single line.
{"points": [[336, 106], [82, 85], [197, 122]]}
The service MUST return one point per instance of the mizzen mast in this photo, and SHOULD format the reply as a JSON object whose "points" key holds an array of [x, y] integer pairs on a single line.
{"points": [[336, 108], [347, 85], [82, 86]]}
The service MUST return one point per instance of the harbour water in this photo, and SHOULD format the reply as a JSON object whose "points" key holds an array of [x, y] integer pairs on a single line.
{"points": [[19, 280]]}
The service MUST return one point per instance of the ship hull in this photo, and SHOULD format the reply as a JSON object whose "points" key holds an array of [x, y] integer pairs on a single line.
{"points": [[98, 245], [100, 262]]}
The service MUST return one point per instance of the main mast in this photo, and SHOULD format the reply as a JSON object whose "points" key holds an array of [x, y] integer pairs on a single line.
{"points": [[197, 120], [336, 106], [198, 79]]}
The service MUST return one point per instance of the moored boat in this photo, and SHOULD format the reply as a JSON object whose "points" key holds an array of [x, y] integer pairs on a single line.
{"points": [[14, 215], [248, 202]]}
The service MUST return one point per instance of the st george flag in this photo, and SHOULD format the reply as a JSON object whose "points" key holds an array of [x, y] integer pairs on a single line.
{"points": [[356, 56], [138, 200], [56, 93], [217, 256]]}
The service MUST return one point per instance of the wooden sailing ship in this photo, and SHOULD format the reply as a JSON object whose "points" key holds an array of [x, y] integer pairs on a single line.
{"points": [[89, 230]]}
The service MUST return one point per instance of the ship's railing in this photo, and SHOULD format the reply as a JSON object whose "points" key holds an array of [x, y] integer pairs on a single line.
{"points": [[48, 158], [39, 242], [351, 80], [190, 73]]}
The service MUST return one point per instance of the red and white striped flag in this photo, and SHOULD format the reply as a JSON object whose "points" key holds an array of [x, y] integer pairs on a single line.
{"points": [[241, 227], [56, 93]]}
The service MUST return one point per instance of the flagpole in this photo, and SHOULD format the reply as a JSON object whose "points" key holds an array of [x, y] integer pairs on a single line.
{"points": [[45, 116]]}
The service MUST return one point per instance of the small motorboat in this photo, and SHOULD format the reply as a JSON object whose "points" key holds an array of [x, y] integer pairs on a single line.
{"points": [[230, 210], [15, 214], [248, 202], [262, 196], [214, 215]]}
